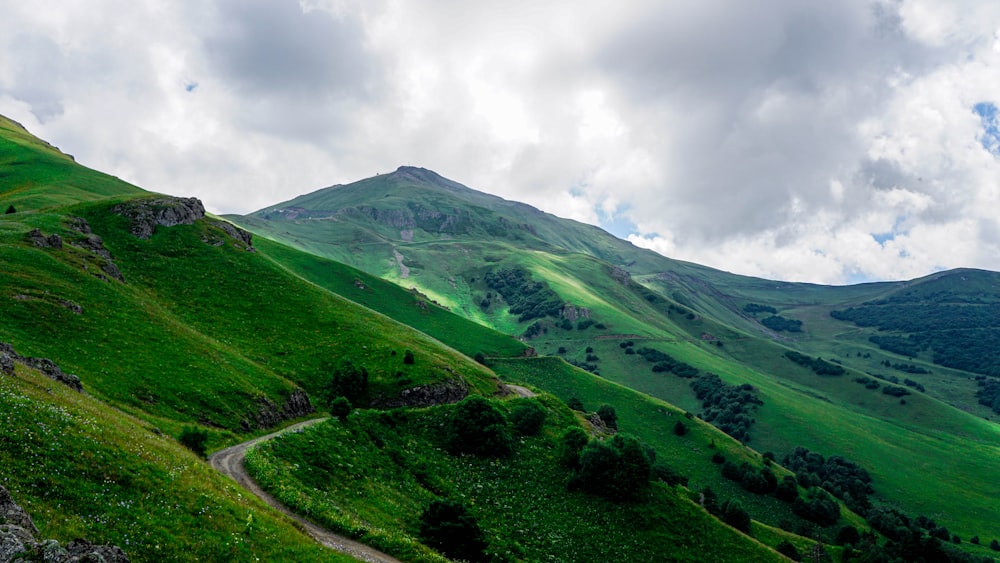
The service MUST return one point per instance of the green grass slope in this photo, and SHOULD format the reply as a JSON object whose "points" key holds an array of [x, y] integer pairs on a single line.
{"points": [[83, 469], [374, 475]]}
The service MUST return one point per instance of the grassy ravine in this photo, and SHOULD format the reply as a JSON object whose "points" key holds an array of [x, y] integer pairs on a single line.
{"points": [[372, 476], [85, 470]]}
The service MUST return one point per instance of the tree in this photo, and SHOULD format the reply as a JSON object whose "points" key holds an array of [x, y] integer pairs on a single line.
{"points": [[788, 550], [480, 358], [11, 210], [194, 439], [448, 527], [995, 545], [349, 381], [340, 408], [476, 426], [848, 535], [608, 415], [680, 428], [571, 443], [408, 357], [575, 404], [617, 469], [527, 417], [732, 513]]}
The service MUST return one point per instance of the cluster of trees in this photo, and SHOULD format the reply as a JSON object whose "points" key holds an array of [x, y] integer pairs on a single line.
{"points": [[754, 308], [727, 407], [618, 469], [907, 368], [847, 480], [818, 365], [779, 323], [988, 393], [963, 333], [479, 427], [663, 362], [447, 526], [527, 298], [892, 390]]}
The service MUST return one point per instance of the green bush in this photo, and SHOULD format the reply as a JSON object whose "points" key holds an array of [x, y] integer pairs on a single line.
{"points": [[788, 550], [733, 513], [571, 444], [448, 527], [340, 408], [347, 380], [194, 439], [618, 469], [527, 417], [476, 426]]}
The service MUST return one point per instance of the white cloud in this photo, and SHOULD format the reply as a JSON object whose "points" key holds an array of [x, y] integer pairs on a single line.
{"points": [[775, 139]]}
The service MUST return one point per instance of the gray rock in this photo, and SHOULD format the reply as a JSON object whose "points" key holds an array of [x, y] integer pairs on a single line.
{"points": [[269, 415], [11, 513], [240, 236], [18, 543], [147, 214], [95, 245], [36, 237], [44, 365], [426, 395]]}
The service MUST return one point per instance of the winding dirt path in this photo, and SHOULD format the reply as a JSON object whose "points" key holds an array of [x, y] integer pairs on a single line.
{"points": [[230, 462]]}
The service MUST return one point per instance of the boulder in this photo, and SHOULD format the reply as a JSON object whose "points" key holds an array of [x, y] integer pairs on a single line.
{"points": [[147, 214], [18, 543], [8, 357], [426, 395]]}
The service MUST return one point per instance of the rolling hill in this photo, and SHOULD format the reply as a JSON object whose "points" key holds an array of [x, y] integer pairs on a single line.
{"points": [[132, 321], [829, 379]]}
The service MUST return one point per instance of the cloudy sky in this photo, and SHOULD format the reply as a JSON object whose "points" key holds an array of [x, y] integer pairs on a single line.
{"points": [[831, 142]]}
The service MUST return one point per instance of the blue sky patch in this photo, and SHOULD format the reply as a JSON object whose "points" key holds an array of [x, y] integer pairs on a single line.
{"points": [[189, 87], [987, 112]]}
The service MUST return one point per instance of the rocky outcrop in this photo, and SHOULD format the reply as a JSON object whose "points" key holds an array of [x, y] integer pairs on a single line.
{"points": [[18, 543], [36, 237], [426, 395], [573, 313], [241, 239], [147, 214], [8, 357], [94, 244], [270, 415], [621, 275]]}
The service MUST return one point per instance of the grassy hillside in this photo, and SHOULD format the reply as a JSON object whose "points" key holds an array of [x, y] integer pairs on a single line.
{"points": [[83, 469], [373, 476]]}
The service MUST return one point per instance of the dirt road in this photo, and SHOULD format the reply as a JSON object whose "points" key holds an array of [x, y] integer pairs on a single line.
{"points": [[230, 462]]}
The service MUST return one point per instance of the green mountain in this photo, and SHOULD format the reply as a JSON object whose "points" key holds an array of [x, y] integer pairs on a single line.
{"points": [[828, 370], [132, 322]]}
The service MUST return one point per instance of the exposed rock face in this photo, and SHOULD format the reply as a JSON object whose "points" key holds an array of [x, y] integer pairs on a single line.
{"points": [[147, 214], [237, 234], [36, 237], [18, 543], [270, 415], [573, 313], [621, 276], [8, 356], [426, 395], [95, 245]]}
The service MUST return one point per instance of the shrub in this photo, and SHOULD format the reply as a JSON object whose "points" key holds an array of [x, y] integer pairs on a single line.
{"points": [[476, 426], [788, 550], [848, 535], [608, 415], [480, 358], [408, 357], [732, 513], [448, 527], [340, 408], [527, 417], [194, 439], [680, 428], [11, 210], [571, 444], [575, 404], [995, 545], [617, 470], [347, 380], [668, 475]]}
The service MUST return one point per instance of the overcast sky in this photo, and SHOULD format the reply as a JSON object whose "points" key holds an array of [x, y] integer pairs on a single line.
{"points": [[831, 142]]}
